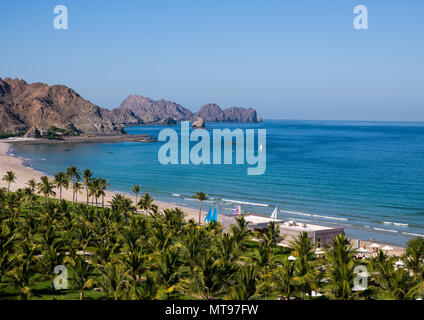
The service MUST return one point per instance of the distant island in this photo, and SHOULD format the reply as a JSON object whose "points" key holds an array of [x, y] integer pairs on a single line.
{"points": [[38, 110]]}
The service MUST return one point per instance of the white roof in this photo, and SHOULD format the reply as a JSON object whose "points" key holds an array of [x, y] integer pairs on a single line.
{"points": [[253, 218]]}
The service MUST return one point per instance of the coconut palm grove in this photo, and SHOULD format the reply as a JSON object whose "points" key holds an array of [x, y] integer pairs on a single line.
{"points": [[132, 250]]}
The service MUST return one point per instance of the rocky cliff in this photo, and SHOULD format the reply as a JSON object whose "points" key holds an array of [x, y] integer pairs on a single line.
{"points": [[157, 111], [213, 113], [39, 106], [154, 111], [40, 109], [121, 116]]}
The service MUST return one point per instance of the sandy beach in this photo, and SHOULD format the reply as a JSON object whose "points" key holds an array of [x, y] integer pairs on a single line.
{"points": [[23, 174]]}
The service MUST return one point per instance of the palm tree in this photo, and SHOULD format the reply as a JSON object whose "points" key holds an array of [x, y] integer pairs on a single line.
{"points": [[136, 261], [240, 231], [24, 261], [271, 236], [303, 250], [201, 196], [74, 175], [248, 284], [46, 188], [283, 278], [414, 255], [61, 181], [7, 238], [51, 254], [116, 284], [339, 257], [195, 241], [82, 273], [9, 177], [95, 189], [32, 185], [168, 269], [145, 203], [136, 190], [102, 192], [86, 180], [76, 188], [29, 198], [393, 283], [205, 279]]}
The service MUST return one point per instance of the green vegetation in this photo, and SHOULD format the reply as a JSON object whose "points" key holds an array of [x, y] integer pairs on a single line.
{"points": [[112, 251], [55, 132], [4, 135]]}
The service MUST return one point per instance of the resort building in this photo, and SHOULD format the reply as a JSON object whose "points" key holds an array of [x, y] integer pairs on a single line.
{"points": [[290, 229]]}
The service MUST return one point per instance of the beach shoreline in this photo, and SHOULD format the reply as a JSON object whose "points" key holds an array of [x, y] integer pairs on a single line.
{"points": [[84, 139], [24, 173]]}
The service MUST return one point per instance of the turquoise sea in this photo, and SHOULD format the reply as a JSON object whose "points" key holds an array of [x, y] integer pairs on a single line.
{"points": [[367, 177]]}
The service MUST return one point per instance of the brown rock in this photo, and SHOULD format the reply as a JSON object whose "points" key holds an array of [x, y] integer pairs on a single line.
{"points": [[33, 132], [213, 113], [200, 123], [238, 114], [153, 111], [167, 121], [121, 116], [24, 105]]}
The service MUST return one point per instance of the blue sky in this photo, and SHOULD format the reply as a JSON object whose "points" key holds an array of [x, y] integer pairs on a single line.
{"points": [[292, 59]]}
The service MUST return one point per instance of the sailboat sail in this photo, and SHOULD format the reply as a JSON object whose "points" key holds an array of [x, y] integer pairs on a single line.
{"points": [[209, 215], [215, 214], [274, 214]]}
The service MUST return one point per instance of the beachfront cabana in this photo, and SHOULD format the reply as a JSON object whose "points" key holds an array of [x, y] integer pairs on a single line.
{"points": [[322, 235]]}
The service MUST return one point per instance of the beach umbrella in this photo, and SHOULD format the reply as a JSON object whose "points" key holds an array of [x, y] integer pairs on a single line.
{"points": [[375, 245], [387, 248], [362, 250], [291, 258]]}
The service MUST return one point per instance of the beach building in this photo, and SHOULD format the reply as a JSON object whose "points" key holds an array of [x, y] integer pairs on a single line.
{"points": [[290, 229]]}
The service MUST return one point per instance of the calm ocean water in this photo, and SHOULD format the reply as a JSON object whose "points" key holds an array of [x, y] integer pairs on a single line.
{"points": [[367, 177]]}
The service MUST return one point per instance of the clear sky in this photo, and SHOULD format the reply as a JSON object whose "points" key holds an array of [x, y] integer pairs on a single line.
{"points": [[292, 59]]}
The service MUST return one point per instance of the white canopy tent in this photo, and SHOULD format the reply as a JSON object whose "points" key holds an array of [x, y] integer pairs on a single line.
{"points": [[387, 248]]}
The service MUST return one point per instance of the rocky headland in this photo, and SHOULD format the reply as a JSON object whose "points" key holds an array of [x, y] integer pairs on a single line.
{"points": [[37, 110]]}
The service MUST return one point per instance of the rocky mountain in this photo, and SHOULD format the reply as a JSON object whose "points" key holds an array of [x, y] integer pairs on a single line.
{"points": [[153, 111], [213, 113], [39, 107], [239, 114], [158, 111], [121, 116]]}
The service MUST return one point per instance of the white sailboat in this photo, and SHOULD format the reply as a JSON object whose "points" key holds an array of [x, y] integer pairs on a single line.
{"points": [[274, 214]]}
